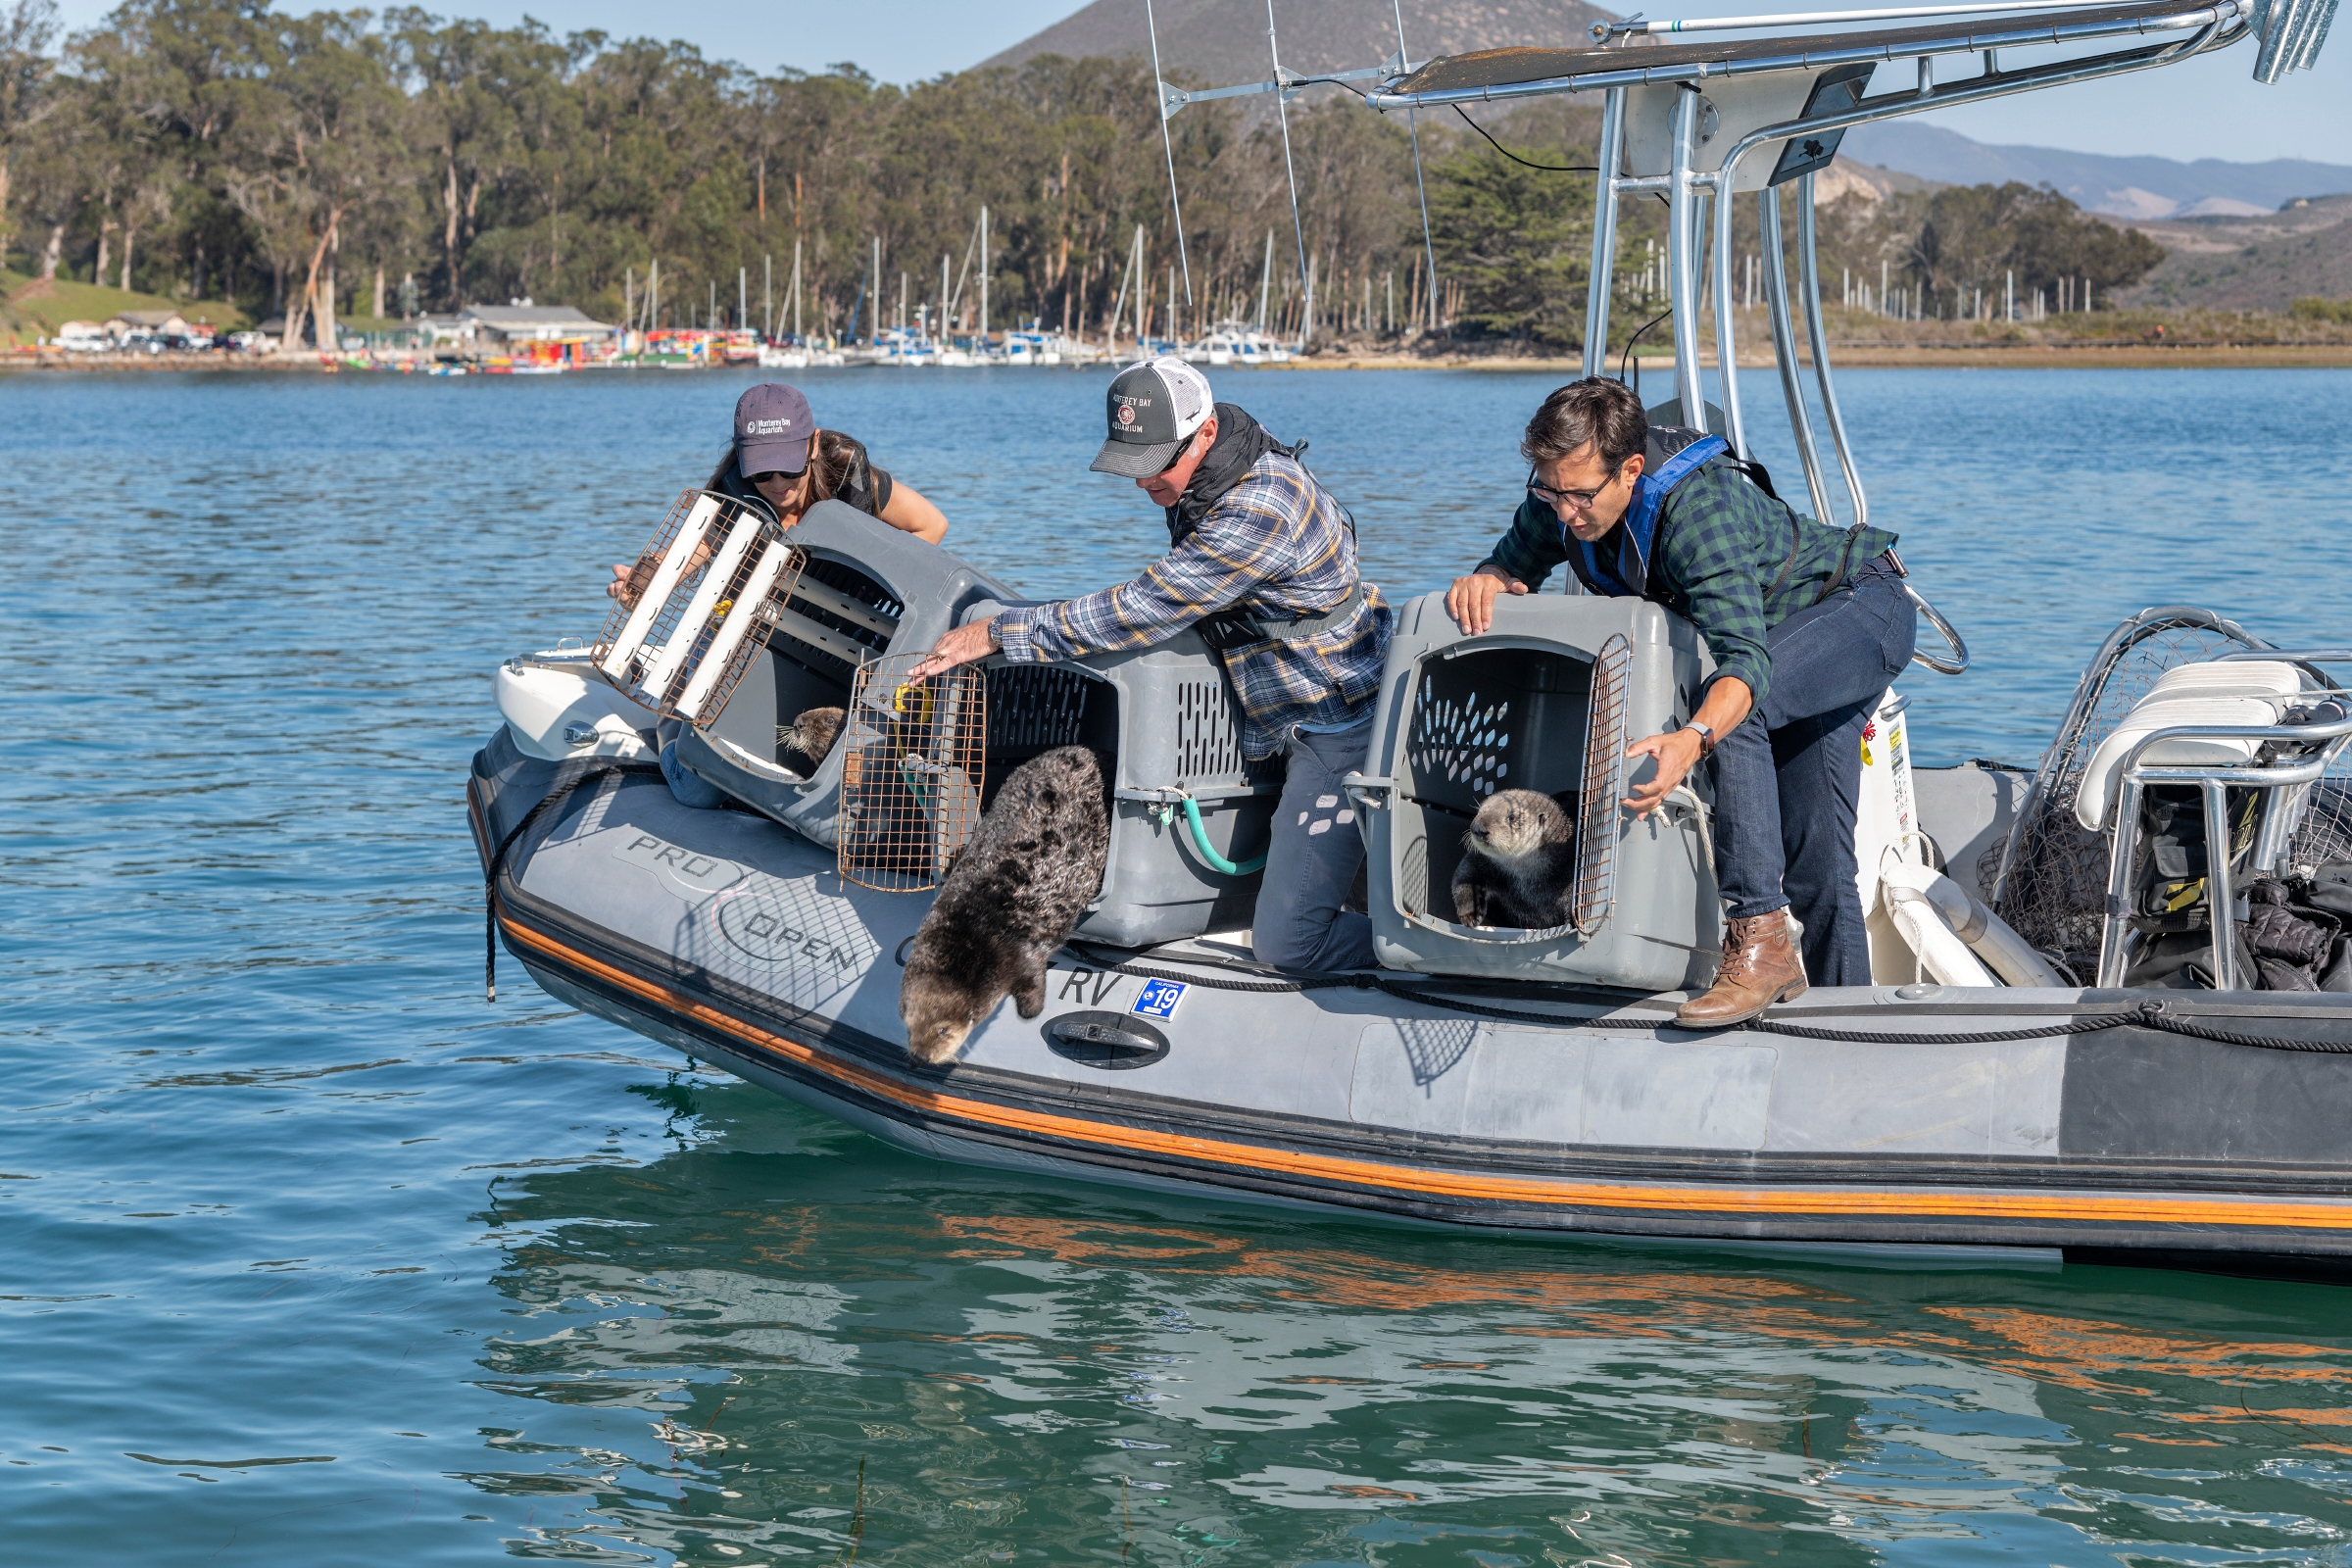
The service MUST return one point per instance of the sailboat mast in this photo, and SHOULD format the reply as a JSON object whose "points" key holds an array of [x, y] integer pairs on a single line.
{"points": [[1266, 281]]}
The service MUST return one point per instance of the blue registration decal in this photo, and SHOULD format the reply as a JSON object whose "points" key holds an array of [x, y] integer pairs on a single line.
{"points": [[1159, 999]]}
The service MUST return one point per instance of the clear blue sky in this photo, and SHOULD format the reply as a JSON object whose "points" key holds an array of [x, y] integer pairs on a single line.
{"points": [[2308, 115]]}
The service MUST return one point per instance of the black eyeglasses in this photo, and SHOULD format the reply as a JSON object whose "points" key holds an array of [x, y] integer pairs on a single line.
{"points": [[778, 474], [1573, 499]]}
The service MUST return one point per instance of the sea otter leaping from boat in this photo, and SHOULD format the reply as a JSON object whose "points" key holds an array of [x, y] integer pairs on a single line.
{"points": [[1011, 900]]}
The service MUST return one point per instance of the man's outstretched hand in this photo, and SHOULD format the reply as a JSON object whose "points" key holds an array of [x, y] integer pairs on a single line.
{"points": [[1471, 600], [959, 647]]}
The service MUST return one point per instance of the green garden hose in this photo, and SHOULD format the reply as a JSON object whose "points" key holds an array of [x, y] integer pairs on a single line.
{"points": [[1192, 814]]}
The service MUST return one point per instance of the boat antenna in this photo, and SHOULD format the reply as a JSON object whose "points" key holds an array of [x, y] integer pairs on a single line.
{"points": [[1167, 145], [1412, 123], [1306, 282]]}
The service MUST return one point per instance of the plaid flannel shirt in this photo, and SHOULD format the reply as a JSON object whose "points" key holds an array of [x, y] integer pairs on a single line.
{"points": [[1276, 544], [1719, 544]]}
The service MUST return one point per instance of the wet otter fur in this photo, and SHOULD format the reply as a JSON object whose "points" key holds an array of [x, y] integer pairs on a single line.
{"points": [[1518, 862], [812, 734], [1011, 900]]}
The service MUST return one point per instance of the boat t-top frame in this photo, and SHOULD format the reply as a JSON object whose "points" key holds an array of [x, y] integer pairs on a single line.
{"points": [[1684, 121]]}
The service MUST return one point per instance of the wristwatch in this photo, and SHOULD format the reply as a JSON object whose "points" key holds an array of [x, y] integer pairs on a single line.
{"points": [[1706, 736]]}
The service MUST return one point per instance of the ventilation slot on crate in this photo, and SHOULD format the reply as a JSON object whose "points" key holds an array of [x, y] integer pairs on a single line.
{"points": [[1461, 750], [1035, 707], [1209, 745], [914, 761], [838, 619], [1604, 788], [702, 602]]}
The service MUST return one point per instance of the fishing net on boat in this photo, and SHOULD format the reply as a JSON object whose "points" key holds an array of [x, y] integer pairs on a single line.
{"points": [[914, 757], [698, 606], [2048, 874], [2324, 833]]}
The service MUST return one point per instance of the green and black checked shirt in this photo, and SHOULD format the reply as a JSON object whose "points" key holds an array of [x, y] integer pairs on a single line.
{"points": [[1719, 544]]}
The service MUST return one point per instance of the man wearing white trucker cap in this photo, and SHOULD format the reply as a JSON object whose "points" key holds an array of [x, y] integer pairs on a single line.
{"points": [[1262, 563]]}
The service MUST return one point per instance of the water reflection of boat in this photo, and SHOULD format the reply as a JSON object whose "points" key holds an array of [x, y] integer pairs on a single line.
{"points": [[2033, 1067], [1305, 1382]]}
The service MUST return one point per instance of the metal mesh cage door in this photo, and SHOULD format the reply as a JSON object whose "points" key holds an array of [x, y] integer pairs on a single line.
{"points": [[699, 607], [913, 760], [1604, 788]]}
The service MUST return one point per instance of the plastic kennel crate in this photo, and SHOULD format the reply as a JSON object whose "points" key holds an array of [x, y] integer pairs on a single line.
{"points": [[870, 596], [1546, 699], [865, 591], [1165, 717]]}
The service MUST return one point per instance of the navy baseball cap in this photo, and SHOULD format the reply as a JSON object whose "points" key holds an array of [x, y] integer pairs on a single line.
{"points": [[772, 430], [1155, 407]]}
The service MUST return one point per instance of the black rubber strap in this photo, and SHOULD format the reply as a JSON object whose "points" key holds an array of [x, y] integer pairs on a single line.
{"points": [[2150, 1015], [498, 856]]}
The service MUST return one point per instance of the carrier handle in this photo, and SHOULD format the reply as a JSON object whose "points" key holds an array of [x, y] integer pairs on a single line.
{"points": [[1368, 790]]}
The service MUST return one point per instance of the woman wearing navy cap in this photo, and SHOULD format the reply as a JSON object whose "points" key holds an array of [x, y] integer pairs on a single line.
{"points": [[780, 462]]}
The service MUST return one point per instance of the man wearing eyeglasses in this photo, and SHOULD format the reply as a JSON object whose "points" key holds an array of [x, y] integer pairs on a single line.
{"points": [[1808, 625], [1260, 561]]}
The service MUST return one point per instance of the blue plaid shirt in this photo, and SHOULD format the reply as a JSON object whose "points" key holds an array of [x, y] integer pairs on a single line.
{"points": [[1276, 544]]}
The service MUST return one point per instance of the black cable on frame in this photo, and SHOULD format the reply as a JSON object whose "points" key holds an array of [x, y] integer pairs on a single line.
{"points": [[1548, 168], [1627, 359]]}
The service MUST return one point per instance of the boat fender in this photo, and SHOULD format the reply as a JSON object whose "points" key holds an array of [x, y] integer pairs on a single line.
{"points": [[1953, 932]]}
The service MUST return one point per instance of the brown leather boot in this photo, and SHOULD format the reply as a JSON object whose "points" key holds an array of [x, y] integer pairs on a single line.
{"points": [[1759, 968]]}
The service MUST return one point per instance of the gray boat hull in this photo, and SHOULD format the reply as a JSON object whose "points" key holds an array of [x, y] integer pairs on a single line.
{"points": [[1939, 1117]]}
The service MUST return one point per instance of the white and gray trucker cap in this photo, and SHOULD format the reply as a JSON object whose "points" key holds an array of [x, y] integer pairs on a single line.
{"points": [[1155, 407]]}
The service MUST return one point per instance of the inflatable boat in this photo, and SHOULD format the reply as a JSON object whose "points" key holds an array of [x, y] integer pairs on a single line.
{"points": [[2111, 1009]]}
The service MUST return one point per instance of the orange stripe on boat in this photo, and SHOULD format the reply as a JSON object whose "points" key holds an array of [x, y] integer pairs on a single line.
{"points": [[1444, 1184]]}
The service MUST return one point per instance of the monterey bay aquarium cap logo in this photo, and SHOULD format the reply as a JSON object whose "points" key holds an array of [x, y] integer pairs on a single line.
{"points": [[772, 427], [1155, 407]]}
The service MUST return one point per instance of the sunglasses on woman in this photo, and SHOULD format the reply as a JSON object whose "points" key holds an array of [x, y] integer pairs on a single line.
{"points": [[774, 474]]}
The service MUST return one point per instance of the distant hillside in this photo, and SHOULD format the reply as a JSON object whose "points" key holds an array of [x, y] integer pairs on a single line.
{"points": [[2263, 262], [2122, 187], [1224, 41]]}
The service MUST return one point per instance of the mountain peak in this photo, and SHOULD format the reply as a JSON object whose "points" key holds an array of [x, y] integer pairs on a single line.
{"points": [[1224, 41]]}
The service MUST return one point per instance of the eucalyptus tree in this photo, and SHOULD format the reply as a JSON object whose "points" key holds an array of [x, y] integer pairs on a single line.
{"points": [[27, 27]]}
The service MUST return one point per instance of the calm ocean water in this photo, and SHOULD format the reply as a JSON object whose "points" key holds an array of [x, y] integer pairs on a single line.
{"points": [[309, 1256]]}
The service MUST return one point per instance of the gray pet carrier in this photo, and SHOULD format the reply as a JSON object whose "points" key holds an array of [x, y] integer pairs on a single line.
{"points": [[1165, 717], [1545, 700], [869, 593], [866, 590]]}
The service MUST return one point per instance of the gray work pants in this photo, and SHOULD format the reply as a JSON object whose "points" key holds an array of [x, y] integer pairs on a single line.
{"points": [[1312, 862]]}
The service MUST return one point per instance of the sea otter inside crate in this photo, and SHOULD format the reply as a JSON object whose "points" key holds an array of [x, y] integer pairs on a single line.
{"points": [[1545, 700]]}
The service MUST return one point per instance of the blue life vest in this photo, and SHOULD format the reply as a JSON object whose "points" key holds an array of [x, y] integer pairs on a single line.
{"points": [[1642, 517]]}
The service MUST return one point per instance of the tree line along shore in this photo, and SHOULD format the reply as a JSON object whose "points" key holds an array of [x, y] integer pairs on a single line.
{"points": [[335, 167]]}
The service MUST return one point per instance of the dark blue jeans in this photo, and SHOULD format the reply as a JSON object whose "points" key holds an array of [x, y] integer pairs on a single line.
{"points": [[1312, 862], [1788, 781]]}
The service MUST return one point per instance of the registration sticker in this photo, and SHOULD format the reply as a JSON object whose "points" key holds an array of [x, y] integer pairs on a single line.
{"points": [[1159, 999]]}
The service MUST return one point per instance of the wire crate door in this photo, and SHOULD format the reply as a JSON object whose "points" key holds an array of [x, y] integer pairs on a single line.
{"points": [[1595, 895], [699, 607], [914, 755]]}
